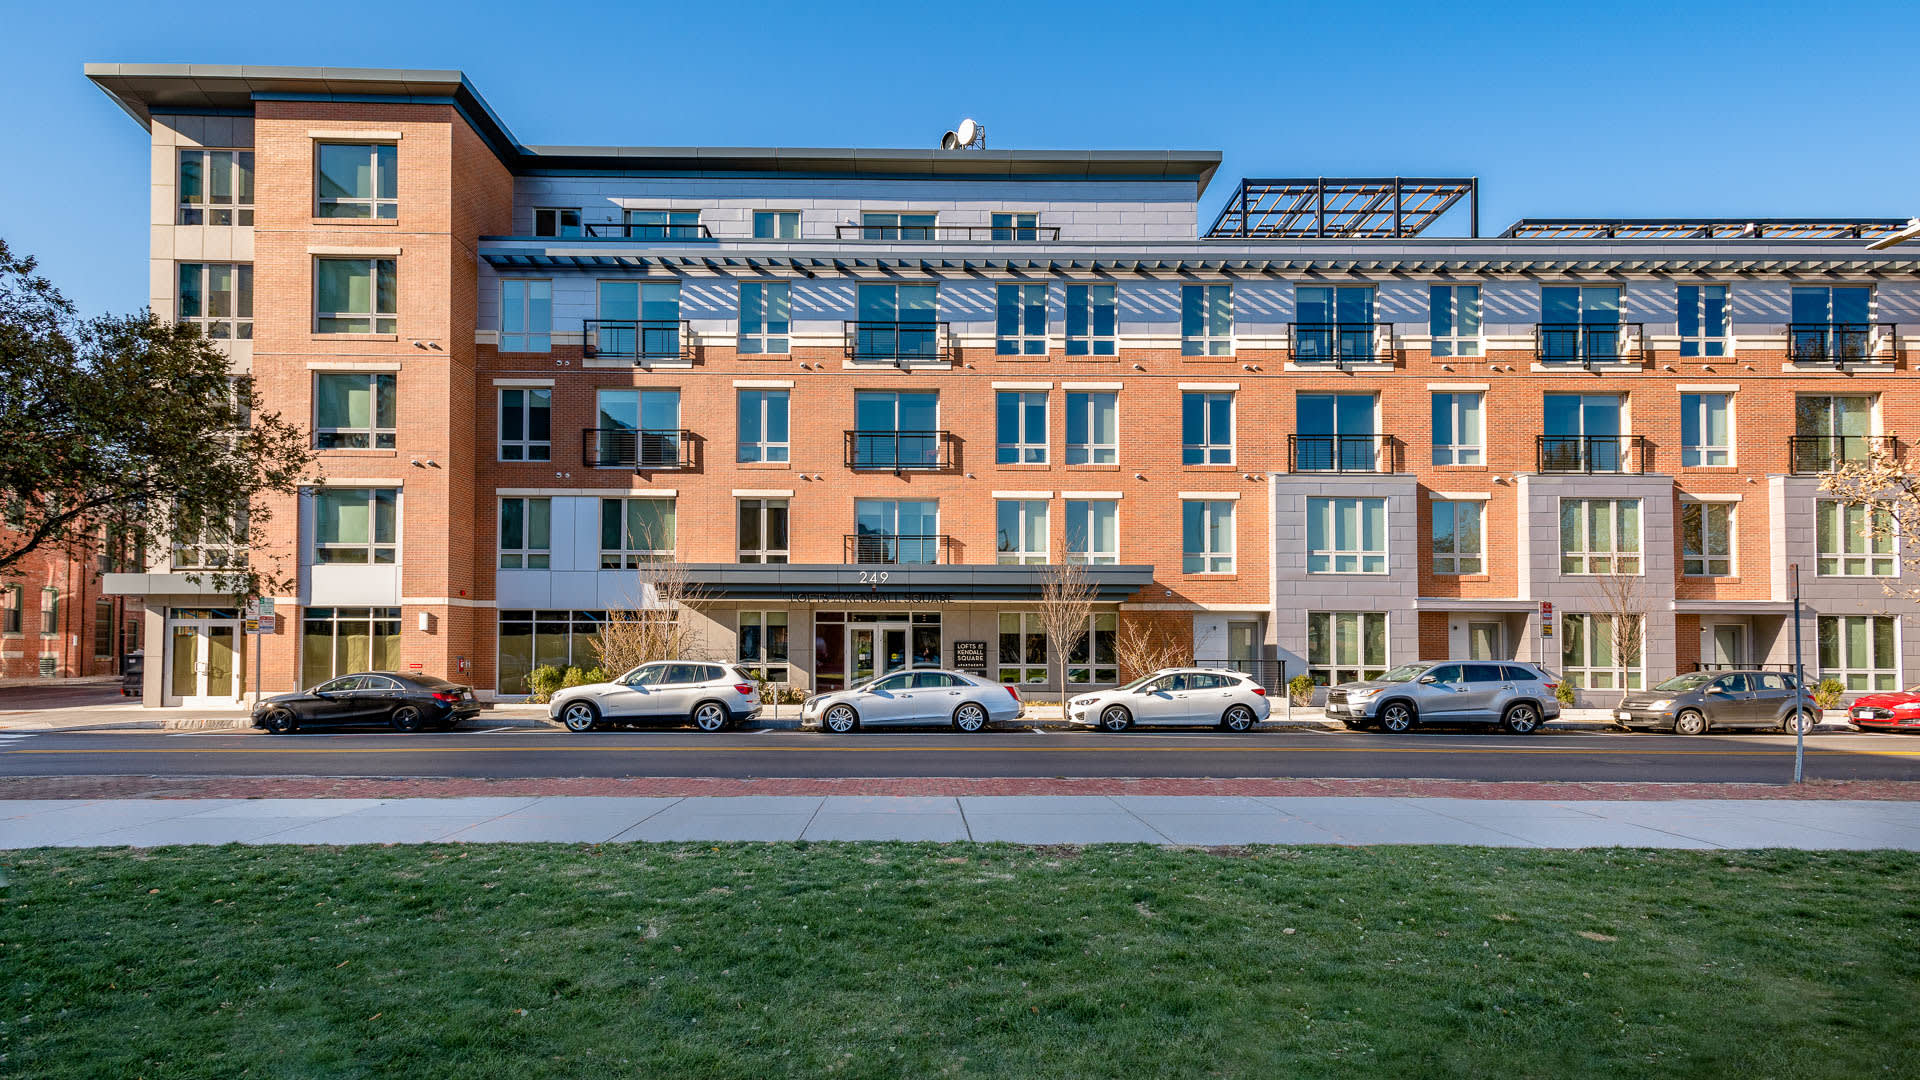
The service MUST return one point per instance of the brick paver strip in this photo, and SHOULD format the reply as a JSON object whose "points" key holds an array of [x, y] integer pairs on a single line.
{"points": [[328, 787]]}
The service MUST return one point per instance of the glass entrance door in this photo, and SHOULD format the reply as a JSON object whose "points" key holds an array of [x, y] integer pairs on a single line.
{"points": [[204, 664], [873, 651]]}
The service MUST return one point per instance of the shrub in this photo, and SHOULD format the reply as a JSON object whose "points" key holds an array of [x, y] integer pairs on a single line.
{"points": [[543, 681], [1563, 693], [1300, 689], [1827, 695], [574, 677], [595, 674]]}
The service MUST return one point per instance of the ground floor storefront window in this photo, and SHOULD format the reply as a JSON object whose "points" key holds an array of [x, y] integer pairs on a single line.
{"points": [[762, 646], [531, 639], [1092, 660], [1346, 646], [1859, 651], [851, 647], [1588, 651], [1023, 647], [340, 641]]}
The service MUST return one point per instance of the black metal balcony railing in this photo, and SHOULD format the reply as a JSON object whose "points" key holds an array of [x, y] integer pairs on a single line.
{"points": [[898, 342], [1019, 234], [1341, 343], [1825, 453], [1343, 453], [900, 451], [634, 230], [637, 339], [1592, 454], [642, 450], [1587, 344], [1836, 343], [899, 548]]}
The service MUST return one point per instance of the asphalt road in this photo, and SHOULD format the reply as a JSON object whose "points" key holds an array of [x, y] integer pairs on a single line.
{"points": [[1582, 756]]}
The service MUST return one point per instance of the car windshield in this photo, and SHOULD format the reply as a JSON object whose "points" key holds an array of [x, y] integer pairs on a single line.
{"points": [[1692, 680], [1404, 673], [1139, 682]]}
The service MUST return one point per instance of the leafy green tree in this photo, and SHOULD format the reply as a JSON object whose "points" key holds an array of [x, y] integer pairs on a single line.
{"points": [[131, 427]]}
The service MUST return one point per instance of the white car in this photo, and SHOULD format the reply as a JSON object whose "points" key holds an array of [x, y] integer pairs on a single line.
{"points": [[1175, 697], [925, 696], [709, 696]]}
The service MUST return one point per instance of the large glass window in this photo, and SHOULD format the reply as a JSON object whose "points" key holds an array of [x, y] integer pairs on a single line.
{"points": [[664, 225], [776, 224], [763, 531], [635, 531], [526, 316], [1021, 320], [1093, 428], [359, 180], [895, 226], [216, 187], [356, 525], [526, 423], [897, 430], [1706, 539], [761, 646], [1093, 660], [766, 317], [218, 298], [639, 428], [1335, 433], [1346, 536], [1016, 226], [1582, 433], [1458, 433], [1459, 538], [1206, 428], [638, 320], [1206, 536], [897, 531], [1335, 322], [531, 639], [1093, 531], [1346, 646], [354, 410], [356, 296], [1859, 651], [1093, 324], [1831, 323], [1021, 531], [1831, 431], [1600, 536], [1579, 323], [1855, 540], [762, 416], [1454, 319], [897, 322], [556, 221], [526, 534], [1589, 652], [1706, 429], [1703, 320], [1020, 424], [341, 641], [1023, 648], [1206, 320]]}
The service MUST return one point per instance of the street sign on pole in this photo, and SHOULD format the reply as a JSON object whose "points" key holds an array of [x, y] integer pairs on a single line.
{"points": [[1799, 679]]}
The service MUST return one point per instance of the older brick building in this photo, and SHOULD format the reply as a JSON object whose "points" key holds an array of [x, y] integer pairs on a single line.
{"points": [[867, 396]]}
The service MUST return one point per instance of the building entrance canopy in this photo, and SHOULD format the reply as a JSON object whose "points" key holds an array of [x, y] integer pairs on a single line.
{"points": [[898, 586]]}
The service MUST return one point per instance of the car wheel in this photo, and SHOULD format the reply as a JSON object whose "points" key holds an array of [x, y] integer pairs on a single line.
{"points": [[1116, 718], [709, 716], [970, 717], [408, 718], [1397, 717], [840, 719], [1690, 722], [1237, 718], [1522, 719], [1798, 722], [279, 722], [580, 716]]}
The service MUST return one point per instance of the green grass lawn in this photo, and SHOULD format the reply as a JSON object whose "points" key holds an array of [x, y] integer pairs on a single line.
{"points": [[902, 960]]}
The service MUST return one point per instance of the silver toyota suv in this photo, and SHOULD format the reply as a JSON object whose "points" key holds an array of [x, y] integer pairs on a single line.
{"points": [[1518, 697]]}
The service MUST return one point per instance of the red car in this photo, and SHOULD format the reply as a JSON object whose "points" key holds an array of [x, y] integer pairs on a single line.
{"points": [[1892, 710]]}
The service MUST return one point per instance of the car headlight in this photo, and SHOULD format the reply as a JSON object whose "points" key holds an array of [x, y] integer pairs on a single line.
{"points": [[1086, 701], [1661, 704], [1362, 694]]}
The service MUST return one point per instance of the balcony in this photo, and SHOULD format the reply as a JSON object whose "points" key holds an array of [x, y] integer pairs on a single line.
{"points": [[1812, 454], [1343, 454], [1006, 234], [899, 451], [1839, 343], [898, 549], [1589, 344], [643, 450], [1336, 344], [922, 342], [604, 230], [638, 340], [1591, 454]]}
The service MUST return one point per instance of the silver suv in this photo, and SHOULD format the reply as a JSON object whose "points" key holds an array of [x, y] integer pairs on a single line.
{"points": [[1518, 697]]}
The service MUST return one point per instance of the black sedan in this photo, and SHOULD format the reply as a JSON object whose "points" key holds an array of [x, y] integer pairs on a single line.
{"points": [[402, 702]]}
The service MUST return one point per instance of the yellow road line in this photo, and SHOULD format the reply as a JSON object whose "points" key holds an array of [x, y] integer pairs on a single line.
{"points": [[282, 750]]}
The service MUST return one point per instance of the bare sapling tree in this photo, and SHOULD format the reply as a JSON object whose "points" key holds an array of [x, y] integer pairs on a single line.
{"points": [[1143, 646], [656, 621], [1066, 609], [1884, 491], [1622, 600]]}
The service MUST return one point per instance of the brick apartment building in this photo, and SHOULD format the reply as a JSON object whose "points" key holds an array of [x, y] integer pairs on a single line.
{"points": [[866, 396], [56, 623]]}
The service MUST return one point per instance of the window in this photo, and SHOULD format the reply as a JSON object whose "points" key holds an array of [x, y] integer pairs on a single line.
{"points": [[1023, 648], [878, 226], [218, 298], [1859, 651], [1093, 659], [897, 323], [358, 180], [638, 320], [49, 611], [1019, 227], [762, 423], [526, 316], [103, 624], [526, 423], [1706, 539], [354, 410], [1458, 537], [1588, 651], [356, 296], [216, 187], [1830, 323], [1093, 428], [1021, 325], [1206, 320], [766, 317], [530, 639], [1346, 646], [1335, 323], [1457, 436], [763, 531], [12, 607], [1600, 536], [213, 546], [1454, 319], [896, 531], [556, 221], [1021, 531], [1093, 531], [896, 430], [1021, 426], [1855, 540], [776, 224], [1582, 433], [340, 641], [762, 646], [1335, 433], [356, 525], [1206, 536], [1206, 428], [639, 428], [1092, 320], [1706, 429], [526, 534], [1346, 536], [1703, 320], [635, 531], [1579, 323], [664, 225], [1831, 431]]}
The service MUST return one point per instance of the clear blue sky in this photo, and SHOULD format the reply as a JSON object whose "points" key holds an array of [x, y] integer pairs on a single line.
{"points": [[1578, 110]]}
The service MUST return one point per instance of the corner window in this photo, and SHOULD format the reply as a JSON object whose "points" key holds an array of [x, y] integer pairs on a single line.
{"points": [[1706, 539], [355, 296], [1458, 437], [216, 187], [1206, 531], [763, 426], [763, 531], [766, 317], [1093, 428], [1859, 651], [635, 531], [556, 221], [1600, 536], [761, 646], [354, 410], [1703, 320], [218, 298], [526, 316], [1021, 427], [1346, 536], [1454, 319], [1021, 320], [1206, 320], [526, 423], [1093, 324], [1854, 540], [1706, 429], [1093, 531], [1206, 428], [1346, 646], [526, 534], [356, 526], [1458, 539], [358, 180], [1023, 648], [776, 224], [1021, 531]]}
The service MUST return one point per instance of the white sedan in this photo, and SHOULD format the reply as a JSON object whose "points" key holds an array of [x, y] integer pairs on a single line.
{"points": [[925, 696], [1175, 697]]}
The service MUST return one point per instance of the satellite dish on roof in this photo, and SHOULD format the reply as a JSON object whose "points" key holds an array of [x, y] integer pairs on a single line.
{"points": [[950, 141], [967, 132]]}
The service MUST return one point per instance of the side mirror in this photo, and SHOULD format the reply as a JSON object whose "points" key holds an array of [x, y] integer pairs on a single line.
{"points": [[1425, 679]]}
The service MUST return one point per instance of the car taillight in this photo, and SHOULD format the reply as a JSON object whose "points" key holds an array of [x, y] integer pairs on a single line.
{"points": [[1552, 686], [1015, 693], [1261, 690], [441, 695], [742, 688]]}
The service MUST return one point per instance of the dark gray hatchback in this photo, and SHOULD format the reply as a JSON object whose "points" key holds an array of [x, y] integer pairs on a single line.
{"points": [[1693, 703]]}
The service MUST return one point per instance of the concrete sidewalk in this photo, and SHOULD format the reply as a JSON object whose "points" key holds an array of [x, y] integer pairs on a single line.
{"points": [[1039, 819]]}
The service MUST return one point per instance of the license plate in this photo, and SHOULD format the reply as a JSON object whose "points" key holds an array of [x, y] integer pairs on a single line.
{"points": [[1623, 715]]}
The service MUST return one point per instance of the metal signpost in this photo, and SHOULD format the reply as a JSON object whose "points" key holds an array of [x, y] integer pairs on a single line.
{"points": [[260, 622], [1799, 679]]}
